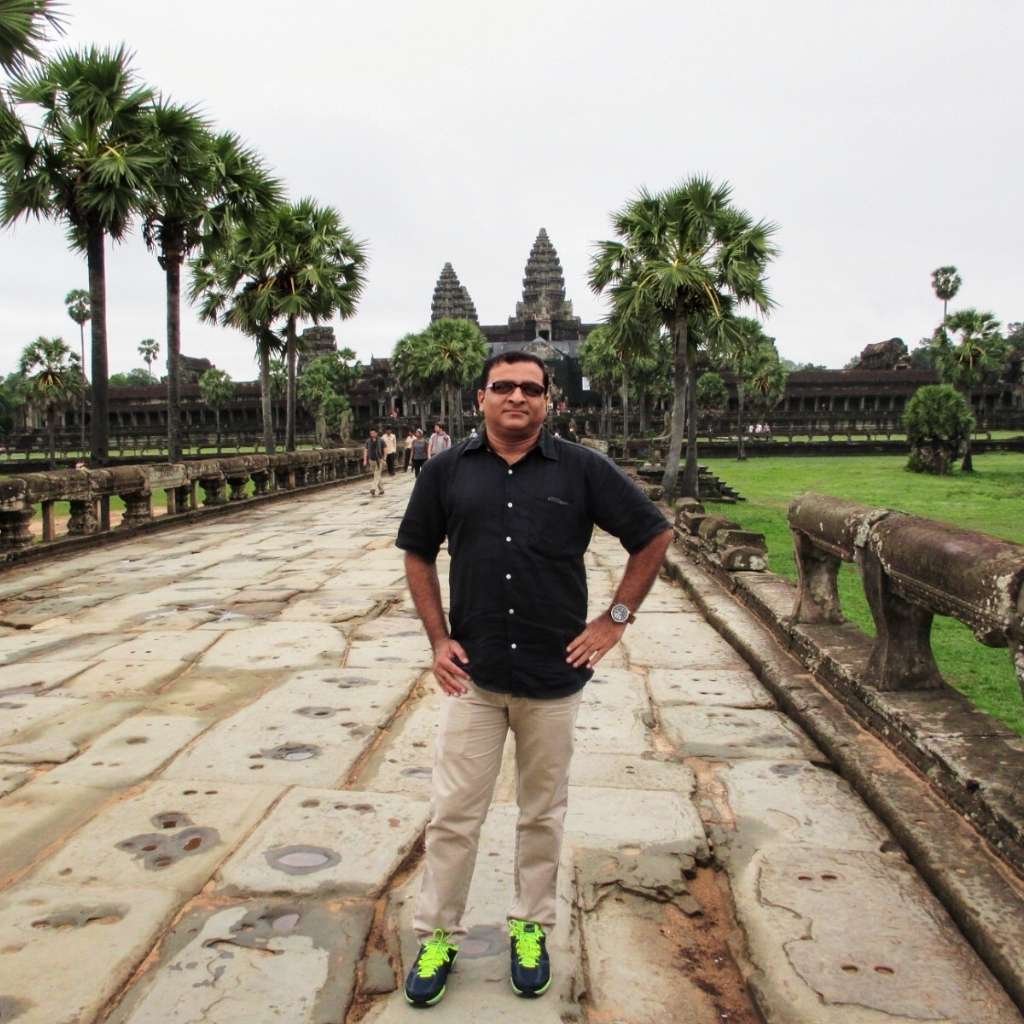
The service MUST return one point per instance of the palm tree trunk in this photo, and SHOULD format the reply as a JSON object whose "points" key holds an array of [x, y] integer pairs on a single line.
{"points": [[690, 488], [51, 429], [81, 336], [967, 466], [740, 453], [172, 271], [216, 417], [98, 305], [321, 427], [289, 404], [266, 405], [423, 415], [679, 380], [444, 395], [642, 402], [625, 412]]}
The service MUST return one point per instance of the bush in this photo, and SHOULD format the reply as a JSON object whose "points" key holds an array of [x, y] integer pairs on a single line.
{"points": [[938, 422], [712, 394]]}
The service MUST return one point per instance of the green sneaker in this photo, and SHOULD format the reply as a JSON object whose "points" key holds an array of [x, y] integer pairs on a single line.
{"points": [[427, 979], [531, 967]]}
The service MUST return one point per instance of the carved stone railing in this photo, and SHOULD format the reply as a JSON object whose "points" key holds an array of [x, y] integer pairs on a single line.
{"points": [[719, 540], [913, 569], [89, 491]]}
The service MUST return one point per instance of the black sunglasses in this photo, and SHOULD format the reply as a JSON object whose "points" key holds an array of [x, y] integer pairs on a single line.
{"points": [[528, 387]]}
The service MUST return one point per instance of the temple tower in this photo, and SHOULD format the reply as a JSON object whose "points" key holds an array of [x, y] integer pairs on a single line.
{"points": [[451, 299], [543, 286]]}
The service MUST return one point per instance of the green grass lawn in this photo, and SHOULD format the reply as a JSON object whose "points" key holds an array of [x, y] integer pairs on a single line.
{"points": [[992, 501]]}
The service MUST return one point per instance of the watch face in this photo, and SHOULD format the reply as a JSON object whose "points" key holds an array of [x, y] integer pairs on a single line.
{"points": [[620, 613]]}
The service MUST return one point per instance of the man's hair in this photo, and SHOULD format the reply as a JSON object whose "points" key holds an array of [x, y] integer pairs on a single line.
{"points": [[515, 356]]}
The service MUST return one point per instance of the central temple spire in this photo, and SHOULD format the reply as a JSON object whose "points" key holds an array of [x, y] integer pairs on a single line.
{"points": [[543, 284], [451, 299]]}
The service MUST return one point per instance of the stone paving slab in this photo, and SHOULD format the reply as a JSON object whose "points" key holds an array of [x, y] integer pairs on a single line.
{"points": [[735, 733], [168, 836], [326, 842], [131, 751], [67, 953], [20, 713], [611, 729], [404, 762], [735, 688], [275, 646], [118, 678], [37, 677], [663, 640], [307, 731], [848, 935], [291, 962], [621, 771], [337, 607], [59, 738]]}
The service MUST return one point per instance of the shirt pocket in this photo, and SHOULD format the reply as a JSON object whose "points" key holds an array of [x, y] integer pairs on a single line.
{"points": [[558, 529]]}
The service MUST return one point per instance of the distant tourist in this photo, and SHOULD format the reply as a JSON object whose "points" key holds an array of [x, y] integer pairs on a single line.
{"points": [[419, 452], [407, 450], [375, 455], [439, 441], [390, 448]]}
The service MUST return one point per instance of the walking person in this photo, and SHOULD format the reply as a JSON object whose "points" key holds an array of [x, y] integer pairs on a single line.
{"points": [[419, 451], [374, 454], [390, 448], [517, 507], [439, 441], [407, 450]]}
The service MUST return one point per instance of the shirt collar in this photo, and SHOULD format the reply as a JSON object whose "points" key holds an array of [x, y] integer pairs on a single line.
{"points": [[548, 444]]}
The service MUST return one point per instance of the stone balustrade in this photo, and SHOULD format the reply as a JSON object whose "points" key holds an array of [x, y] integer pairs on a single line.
{"points": [[913, 569], [89, 491], [718, 539]]}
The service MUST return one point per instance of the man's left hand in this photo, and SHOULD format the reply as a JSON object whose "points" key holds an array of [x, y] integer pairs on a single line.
{"points": [[600, 636]]}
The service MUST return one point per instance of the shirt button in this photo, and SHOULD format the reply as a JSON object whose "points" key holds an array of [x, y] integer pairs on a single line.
{"points": [[508, 540], [510, 504], [513, 647], [511, 611], [508, 575], [510, 472]]}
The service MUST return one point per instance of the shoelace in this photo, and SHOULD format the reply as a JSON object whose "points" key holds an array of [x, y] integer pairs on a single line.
{"points": [[434, 954], [526, 936]]}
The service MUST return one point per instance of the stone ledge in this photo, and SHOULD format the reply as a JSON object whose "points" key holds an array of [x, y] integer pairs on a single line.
{"points": [[939, 836], [76, 545]]}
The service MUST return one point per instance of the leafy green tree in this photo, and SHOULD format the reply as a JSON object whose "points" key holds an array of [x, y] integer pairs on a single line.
{"points": [[24, 26], [938, 422], [456, 351], [53, 380], [945, 283], [601, 365], [77, 303], [136, 378], [201, 184], [278, 381], [324, 385], [973, 354], [149, 349], [217, 389], [712, 394], [767, 382], [684, 256], [410, 363], [651, 377], [744, 348], [88, 165], [12, 402]]}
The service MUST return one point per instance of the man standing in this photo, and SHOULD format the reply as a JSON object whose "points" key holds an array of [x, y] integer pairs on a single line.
{"points": [[439, 441], [518, 508], [374, 454], [390, 448]]}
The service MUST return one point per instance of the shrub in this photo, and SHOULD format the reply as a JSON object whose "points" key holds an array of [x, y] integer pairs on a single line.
{"points": [[938, 422]]}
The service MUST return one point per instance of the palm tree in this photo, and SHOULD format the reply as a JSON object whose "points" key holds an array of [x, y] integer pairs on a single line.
{"points": [[602, 367], [53, 379], [685, 255], [24, 26], [149, 349], [767, 381], [456, 351], [410, 363], [88, 165], [217, 389], [744, 349], [277, 376], [77, 303], [945, 283], [201, 184], [967, 361]]}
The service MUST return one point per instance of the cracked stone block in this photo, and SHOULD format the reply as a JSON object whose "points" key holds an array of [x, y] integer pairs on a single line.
{"points": [[94, 940], [20, 713], [334, 606], [275, 740], [131, 751], [13, 778], [617, 687], [836, 935], [678, 641], [611, 729], [403, 762], [288, 961], [276, 645], [634, 820], [37, 677], [172, 835], [736, 733], [621, 771], [129, 677], [326, 842], [735, 688], [403, 648]]}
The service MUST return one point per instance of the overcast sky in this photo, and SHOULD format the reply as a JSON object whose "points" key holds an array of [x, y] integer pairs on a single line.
{"points": [[884, 138]]}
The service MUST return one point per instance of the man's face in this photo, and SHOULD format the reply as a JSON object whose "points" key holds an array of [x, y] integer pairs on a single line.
{"points": [[373, 435], [514, 413]]}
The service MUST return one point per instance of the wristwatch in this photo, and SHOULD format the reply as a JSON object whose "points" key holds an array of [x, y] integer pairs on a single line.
{"points": [[621, 614]]}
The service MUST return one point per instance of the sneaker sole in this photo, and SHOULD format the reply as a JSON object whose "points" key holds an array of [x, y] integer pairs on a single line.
{"points": [[426, 1002], [530, 995]]}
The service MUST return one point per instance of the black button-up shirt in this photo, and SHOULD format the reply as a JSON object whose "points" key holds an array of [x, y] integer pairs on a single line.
{"points": [[516, 536]]}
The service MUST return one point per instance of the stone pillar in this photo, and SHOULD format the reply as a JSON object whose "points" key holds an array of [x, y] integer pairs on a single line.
{"points": [[214, 488], [261, 481], [15, 531], [138, 508], [237, 485], [183, 498], [817, 598], [49, 521], [83, 519]]}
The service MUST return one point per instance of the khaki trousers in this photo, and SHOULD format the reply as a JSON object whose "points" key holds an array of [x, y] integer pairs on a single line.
{"points": [[378, 466], [467, 760]]}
